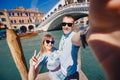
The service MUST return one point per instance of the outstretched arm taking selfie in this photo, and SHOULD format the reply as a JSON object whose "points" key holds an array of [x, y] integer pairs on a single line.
{"points": [[103, 35]]}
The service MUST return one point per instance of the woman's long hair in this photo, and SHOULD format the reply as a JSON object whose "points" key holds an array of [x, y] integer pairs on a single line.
{"points": [[46, 37]]}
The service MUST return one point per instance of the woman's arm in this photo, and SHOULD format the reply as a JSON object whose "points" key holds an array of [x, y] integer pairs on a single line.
{"points": [[33, 71]]}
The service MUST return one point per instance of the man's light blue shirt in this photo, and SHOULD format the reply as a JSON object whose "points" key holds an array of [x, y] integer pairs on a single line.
{"points": [[68, 57]]}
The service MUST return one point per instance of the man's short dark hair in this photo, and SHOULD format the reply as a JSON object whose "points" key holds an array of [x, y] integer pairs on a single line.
{"points": [[68, 15]]}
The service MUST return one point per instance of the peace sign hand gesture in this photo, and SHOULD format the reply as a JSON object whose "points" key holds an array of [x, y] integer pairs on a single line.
{"points": [[33, 60]]}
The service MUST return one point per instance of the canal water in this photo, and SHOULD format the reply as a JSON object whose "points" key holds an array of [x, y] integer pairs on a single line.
{"points": [[8, 70]]}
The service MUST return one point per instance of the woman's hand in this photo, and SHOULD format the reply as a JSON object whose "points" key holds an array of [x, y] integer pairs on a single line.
{"points": [[33, 60], [33, 70]]}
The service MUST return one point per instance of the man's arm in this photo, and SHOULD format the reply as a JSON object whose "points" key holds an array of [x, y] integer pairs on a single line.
{"points": [[103, 35], [76, 39]]}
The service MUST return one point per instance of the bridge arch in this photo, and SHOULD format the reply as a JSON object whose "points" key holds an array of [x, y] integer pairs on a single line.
{"points": [[23, 29], [30, 27], [56, 24], [78, 10]]}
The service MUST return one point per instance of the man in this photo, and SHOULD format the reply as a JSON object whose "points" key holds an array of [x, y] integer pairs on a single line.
{"points": [[69, 51], [103, 36]]}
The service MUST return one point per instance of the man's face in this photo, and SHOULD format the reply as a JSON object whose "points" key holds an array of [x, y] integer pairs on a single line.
{"points": [[67, 25]]}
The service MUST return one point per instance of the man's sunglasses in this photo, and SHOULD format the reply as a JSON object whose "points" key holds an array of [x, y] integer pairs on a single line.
{"points": [[48, 41], [69, 24]]}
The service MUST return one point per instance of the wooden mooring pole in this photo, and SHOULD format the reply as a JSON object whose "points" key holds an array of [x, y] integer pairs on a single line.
{"points": [[17, 53]]}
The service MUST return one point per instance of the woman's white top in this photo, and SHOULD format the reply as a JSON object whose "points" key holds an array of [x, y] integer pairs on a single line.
{"points": [[52, 63]]}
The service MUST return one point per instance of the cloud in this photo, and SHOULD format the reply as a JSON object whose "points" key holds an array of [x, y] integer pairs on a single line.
{"points": [[34, 4]]}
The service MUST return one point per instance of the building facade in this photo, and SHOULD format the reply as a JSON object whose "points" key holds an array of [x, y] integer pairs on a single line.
{"points": [[82, 23], [4, 22], [20, 18]]}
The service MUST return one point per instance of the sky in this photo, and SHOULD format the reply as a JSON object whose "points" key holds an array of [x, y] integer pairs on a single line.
{"points": [[42, 5]]}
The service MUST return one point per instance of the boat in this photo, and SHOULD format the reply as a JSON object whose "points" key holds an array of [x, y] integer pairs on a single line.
{"points": [[24, 35]]}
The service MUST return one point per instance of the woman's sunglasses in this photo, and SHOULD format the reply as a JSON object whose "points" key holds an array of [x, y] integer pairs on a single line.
{"points": [[48, 41], [69, 24]]}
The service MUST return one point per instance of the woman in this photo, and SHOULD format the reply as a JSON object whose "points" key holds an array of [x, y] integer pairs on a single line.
{"points": [[48, 56]]}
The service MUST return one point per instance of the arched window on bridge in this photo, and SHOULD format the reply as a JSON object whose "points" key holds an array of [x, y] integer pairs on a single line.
{"points": [[60, 6], [51, 13], [48, 15], [45, 18], [55, 10]]}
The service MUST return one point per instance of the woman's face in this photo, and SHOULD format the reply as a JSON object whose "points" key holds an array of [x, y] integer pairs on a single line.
{"points": [[48, 43]]}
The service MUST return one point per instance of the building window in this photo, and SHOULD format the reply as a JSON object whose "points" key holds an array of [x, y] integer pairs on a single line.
{"points": [[11, 21], [3, 19], [15, 27], [19, 14], [5, 26], [14, 21], [35, 14], [30, 20], [8, 13], [1, 13], [20, 21], [11, 13], [27, 14]]}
